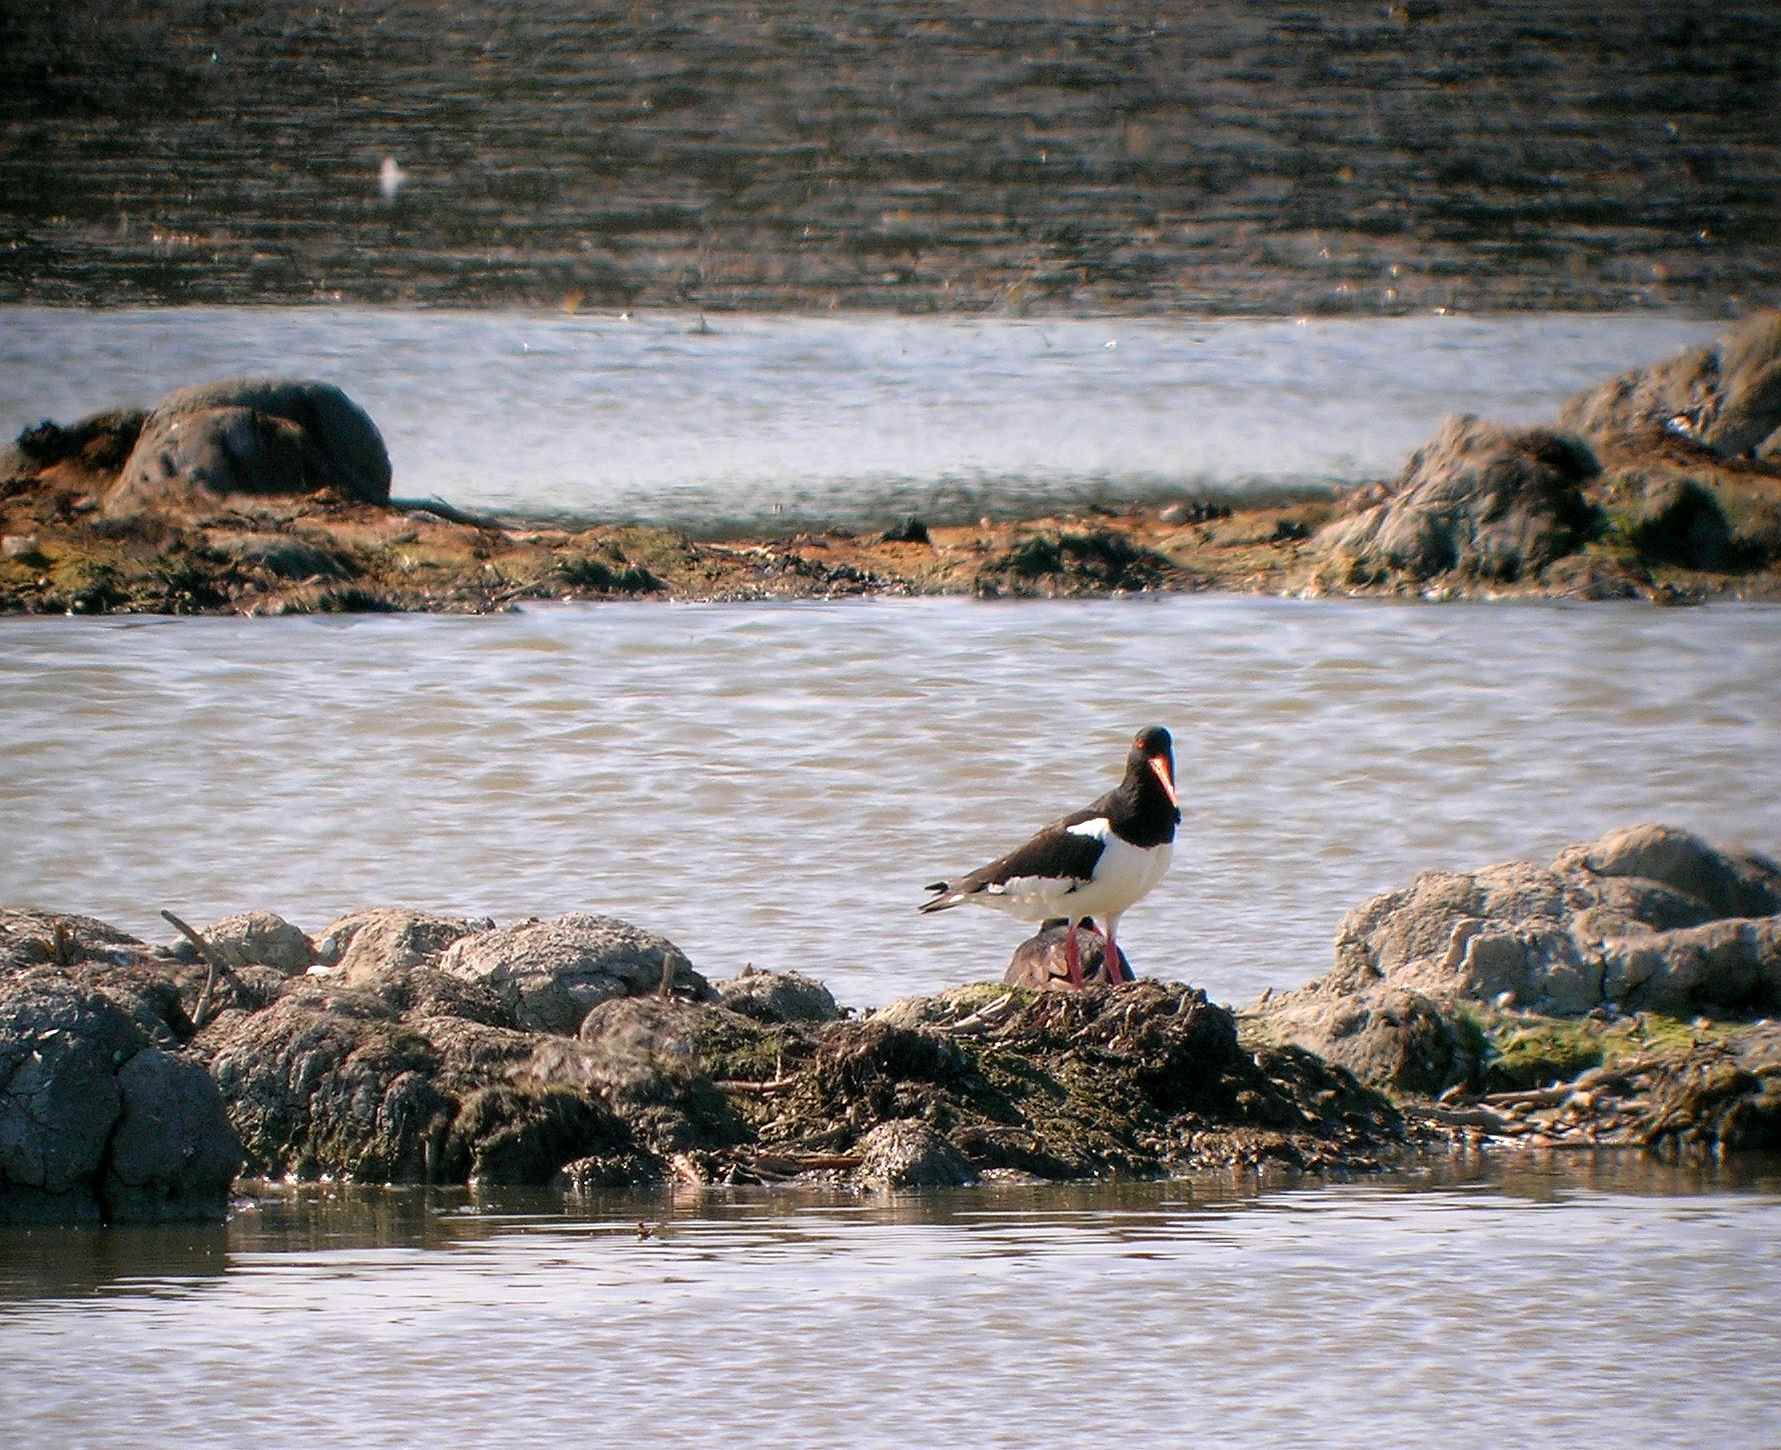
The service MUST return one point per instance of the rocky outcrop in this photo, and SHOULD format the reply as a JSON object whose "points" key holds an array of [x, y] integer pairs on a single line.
{"points": [[550, 973], [1725, 395], [1478, 500], [430, 1049], [1469, 979], [366, 945], [95, 1123], [778, 997], [1649, 918], [253, 436]]}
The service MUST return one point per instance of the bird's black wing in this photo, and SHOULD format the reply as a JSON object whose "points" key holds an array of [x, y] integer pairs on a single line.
{"points": [[1056, 852]]}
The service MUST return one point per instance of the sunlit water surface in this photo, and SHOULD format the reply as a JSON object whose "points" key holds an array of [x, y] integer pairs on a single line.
{"points": [[774, 784], [1562, 1303], [775, 421]]}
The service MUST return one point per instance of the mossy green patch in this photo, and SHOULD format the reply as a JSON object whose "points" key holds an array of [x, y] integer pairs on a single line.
{"points": [[1528, 1051]]}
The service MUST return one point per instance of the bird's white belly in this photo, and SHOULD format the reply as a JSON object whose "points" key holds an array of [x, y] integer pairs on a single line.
{"points": [[1123, 874]]}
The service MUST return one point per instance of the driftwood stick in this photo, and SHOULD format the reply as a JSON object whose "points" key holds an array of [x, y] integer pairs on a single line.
{"points": [[214, 959], [1549, 1097], [448, 512], [740, 1085]]}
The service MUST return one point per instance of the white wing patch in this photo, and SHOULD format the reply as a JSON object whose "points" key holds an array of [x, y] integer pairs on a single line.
{"points": [[1031, 898]]}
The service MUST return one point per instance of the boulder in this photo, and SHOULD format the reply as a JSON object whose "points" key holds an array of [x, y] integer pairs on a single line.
{"points": [[254, 939], [94, 1122], [778, 997], [907, 1153], [550, 973], [369, 944], [1725, 395], [336, 1081], [1489, 502], [174, 1154], [262, 436], [1398, 1040], [1650, 918], [1040, 962]]}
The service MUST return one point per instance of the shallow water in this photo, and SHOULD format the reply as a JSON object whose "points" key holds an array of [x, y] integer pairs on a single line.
{"points": [[1573, 1301], [773, 784], [771, 422]]}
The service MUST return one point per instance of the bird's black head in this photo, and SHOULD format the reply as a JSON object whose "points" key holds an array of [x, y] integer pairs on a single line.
{"points": [[1152, 764], [1152, 741]]}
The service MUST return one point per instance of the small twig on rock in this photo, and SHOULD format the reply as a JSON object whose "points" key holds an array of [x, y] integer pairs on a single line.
{"points": [[1549, 1097], [63, 949], [741, 1085], [787, 1164], [214, 959]]}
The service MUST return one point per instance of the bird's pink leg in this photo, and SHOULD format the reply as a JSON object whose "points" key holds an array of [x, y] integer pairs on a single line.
{"points": [[1110, 968], [1072, 961]]}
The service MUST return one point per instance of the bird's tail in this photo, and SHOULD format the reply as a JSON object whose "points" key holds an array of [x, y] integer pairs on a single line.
{"points": [[944, 897]]}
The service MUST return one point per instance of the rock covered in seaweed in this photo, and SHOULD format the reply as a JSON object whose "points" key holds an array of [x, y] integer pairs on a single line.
{"points": [[1468, 979]]}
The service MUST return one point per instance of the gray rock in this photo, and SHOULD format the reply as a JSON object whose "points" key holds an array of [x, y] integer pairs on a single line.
{"points": [[253, 436], [370, 944], [95, 1123], [1648, 918], [778, 997], [550, 973], [1726, 883], [256, 939], [331, 1080], [1725, 395], [907, 1153], [1398, 1040], [174, 1154], [1490, 502], [636, 1049]]}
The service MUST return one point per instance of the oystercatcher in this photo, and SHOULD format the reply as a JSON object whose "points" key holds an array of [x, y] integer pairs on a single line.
{"points": [[1094, 862]]}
